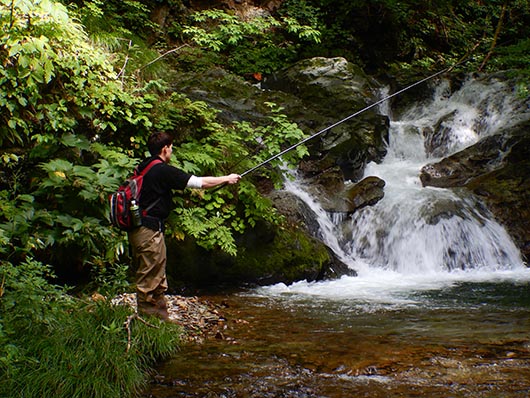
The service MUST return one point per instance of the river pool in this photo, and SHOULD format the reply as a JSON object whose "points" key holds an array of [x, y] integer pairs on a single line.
{"points": [[464, 338]]}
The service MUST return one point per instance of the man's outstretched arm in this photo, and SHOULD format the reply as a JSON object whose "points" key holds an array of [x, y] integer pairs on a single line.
{"points": [[212, 182]]}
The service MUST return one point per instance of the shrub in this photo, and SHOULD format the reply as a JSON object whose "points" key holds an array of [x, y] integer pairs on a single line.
{"points": [[52, 344]]}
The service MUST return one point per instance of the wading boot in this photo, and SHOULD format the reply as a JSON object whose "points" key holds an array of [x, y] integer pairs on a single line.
{"points": [[156, 307]]}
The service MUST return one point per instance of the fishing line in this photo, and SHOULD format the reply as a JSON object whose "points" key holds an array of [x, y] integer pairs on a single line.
{"points": [[347, 118]]}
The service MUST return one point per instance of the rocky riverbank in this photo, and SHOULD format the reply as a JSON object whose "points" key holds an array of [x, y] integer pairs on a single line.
{"points": [[199, 318]]}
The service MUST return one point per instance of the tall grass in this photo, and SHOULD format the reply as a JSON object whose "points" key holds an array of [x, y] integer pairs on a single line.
{"points": [[55, 346]]}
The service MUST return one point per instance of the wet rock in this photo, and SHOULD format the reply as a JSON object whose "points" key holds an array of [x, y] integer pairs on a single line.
{"points": [[496, 169], [437, 140], [334, 83], [367, 192], [335, 269], [322, 184], [458, 169], [297, 212], [334, 89]]}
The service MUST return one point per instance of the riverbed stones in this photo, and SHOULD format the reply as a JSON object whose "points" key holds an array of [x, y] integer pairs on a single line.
{"points": [[198, 318]]}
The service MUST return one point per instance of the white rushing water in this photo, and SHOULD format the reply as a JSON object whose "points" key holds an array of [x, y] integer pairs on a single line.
{"points": [[420, 238]]}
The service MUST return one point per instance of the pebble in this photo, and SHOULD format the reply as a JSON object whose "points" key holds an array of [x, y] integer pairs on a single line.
{"points": [[199, 318]]}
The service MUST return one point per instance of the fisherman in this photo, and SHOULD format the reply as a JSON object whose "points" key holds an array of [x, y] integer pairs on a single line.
{"points": [[147, 241]]}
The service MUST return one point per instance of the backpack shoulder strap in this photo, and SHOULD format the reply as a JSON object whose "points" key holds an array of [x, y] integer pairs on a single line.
{"points": [[147, 168]]}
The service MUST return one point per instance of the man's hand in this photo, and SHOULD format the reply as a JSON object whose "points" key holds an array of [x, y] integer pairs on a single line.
{"points": [[233, 179], [211, 182]]}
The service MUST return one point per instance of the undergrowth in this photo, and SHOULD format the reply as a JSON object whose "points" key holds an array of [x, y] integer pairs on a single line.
{"points": [[54, 345]]}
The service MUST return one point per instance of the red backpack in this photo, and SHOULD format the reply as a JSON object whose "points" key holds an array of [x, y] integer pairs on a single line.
{"points": [[120, 201]]}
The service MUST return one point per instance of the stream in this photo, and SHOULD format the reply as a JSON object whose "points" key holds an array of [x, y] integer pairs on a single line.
{"points": [[440, 306]]}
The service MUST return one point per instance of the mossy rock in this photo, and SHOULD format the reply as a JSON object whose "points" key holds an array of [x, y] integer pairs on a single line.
{"points": [[322, 92], [266, 255]]}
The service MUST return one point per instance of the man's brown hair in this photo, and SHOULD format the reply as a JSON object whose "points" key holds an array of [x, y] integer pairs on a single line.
{"points": [[157, 141]]}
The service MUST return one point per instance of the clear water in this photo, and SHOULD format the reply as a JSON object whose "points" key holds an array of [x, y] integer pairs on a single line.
{"points": [[467, 339], [440, 306]]}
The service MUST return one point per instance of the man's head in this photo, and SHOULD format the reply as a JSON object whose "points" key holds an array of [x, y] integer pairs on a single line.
{"points": [[160, 143]]}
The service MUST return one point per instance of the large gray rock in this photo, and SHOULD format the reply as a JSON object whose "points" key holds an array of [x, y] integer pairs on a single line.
{"points": [[497, 170], [315, 94], [334, 84], [333, 89]]}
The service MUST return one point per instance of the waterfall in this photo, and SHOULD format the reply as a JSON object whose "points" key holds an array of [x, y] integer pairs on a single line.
{"points": [[417, 231]]}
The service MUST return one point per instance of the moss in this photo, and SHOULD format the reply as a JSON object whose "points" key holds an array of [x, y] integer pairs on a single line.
{"points": [[267, 254], [292, 255]]}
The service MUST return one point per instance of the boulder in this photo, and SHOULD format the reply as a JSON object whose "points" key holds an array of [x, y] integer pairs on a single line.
{"points": [[333, 89], [336, 85], [266, 255], [299, 215], [458, 169], [496, 169], [316, 94]]}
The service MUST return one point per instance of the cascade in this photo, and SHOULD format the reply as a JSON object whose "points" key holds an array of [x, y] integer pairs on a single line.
{"points": [[417, 230]]}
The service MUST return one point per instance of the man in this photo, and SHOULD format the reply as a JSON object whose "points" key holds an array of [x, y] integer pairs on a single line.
{"points": [[147, 241]]}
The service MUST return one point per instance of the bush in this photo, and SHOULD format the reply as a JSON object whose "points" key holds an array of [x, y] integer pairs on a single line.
{"points": [[52, 344]]}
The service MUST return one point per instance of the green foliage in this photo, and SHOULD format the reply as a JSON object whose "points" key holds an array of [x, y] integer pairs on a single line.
{"points": [[75, 112], [54, 204], [110, 280], [54, 345], [121, 28], [259, 44], [119, 18], [516, 56], [264, 142], [379, 33], [213, 218], [54, 82], [65, 215]]}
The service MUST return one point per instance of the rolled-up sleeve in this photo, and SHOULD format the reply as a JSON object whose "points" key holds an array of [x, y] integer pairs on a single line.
{"points": [[194, 182]]}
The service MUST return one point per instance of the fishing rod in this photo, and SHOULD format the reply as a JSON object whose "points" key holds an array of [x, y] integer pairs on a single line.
{"points": [[346, 119]]}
